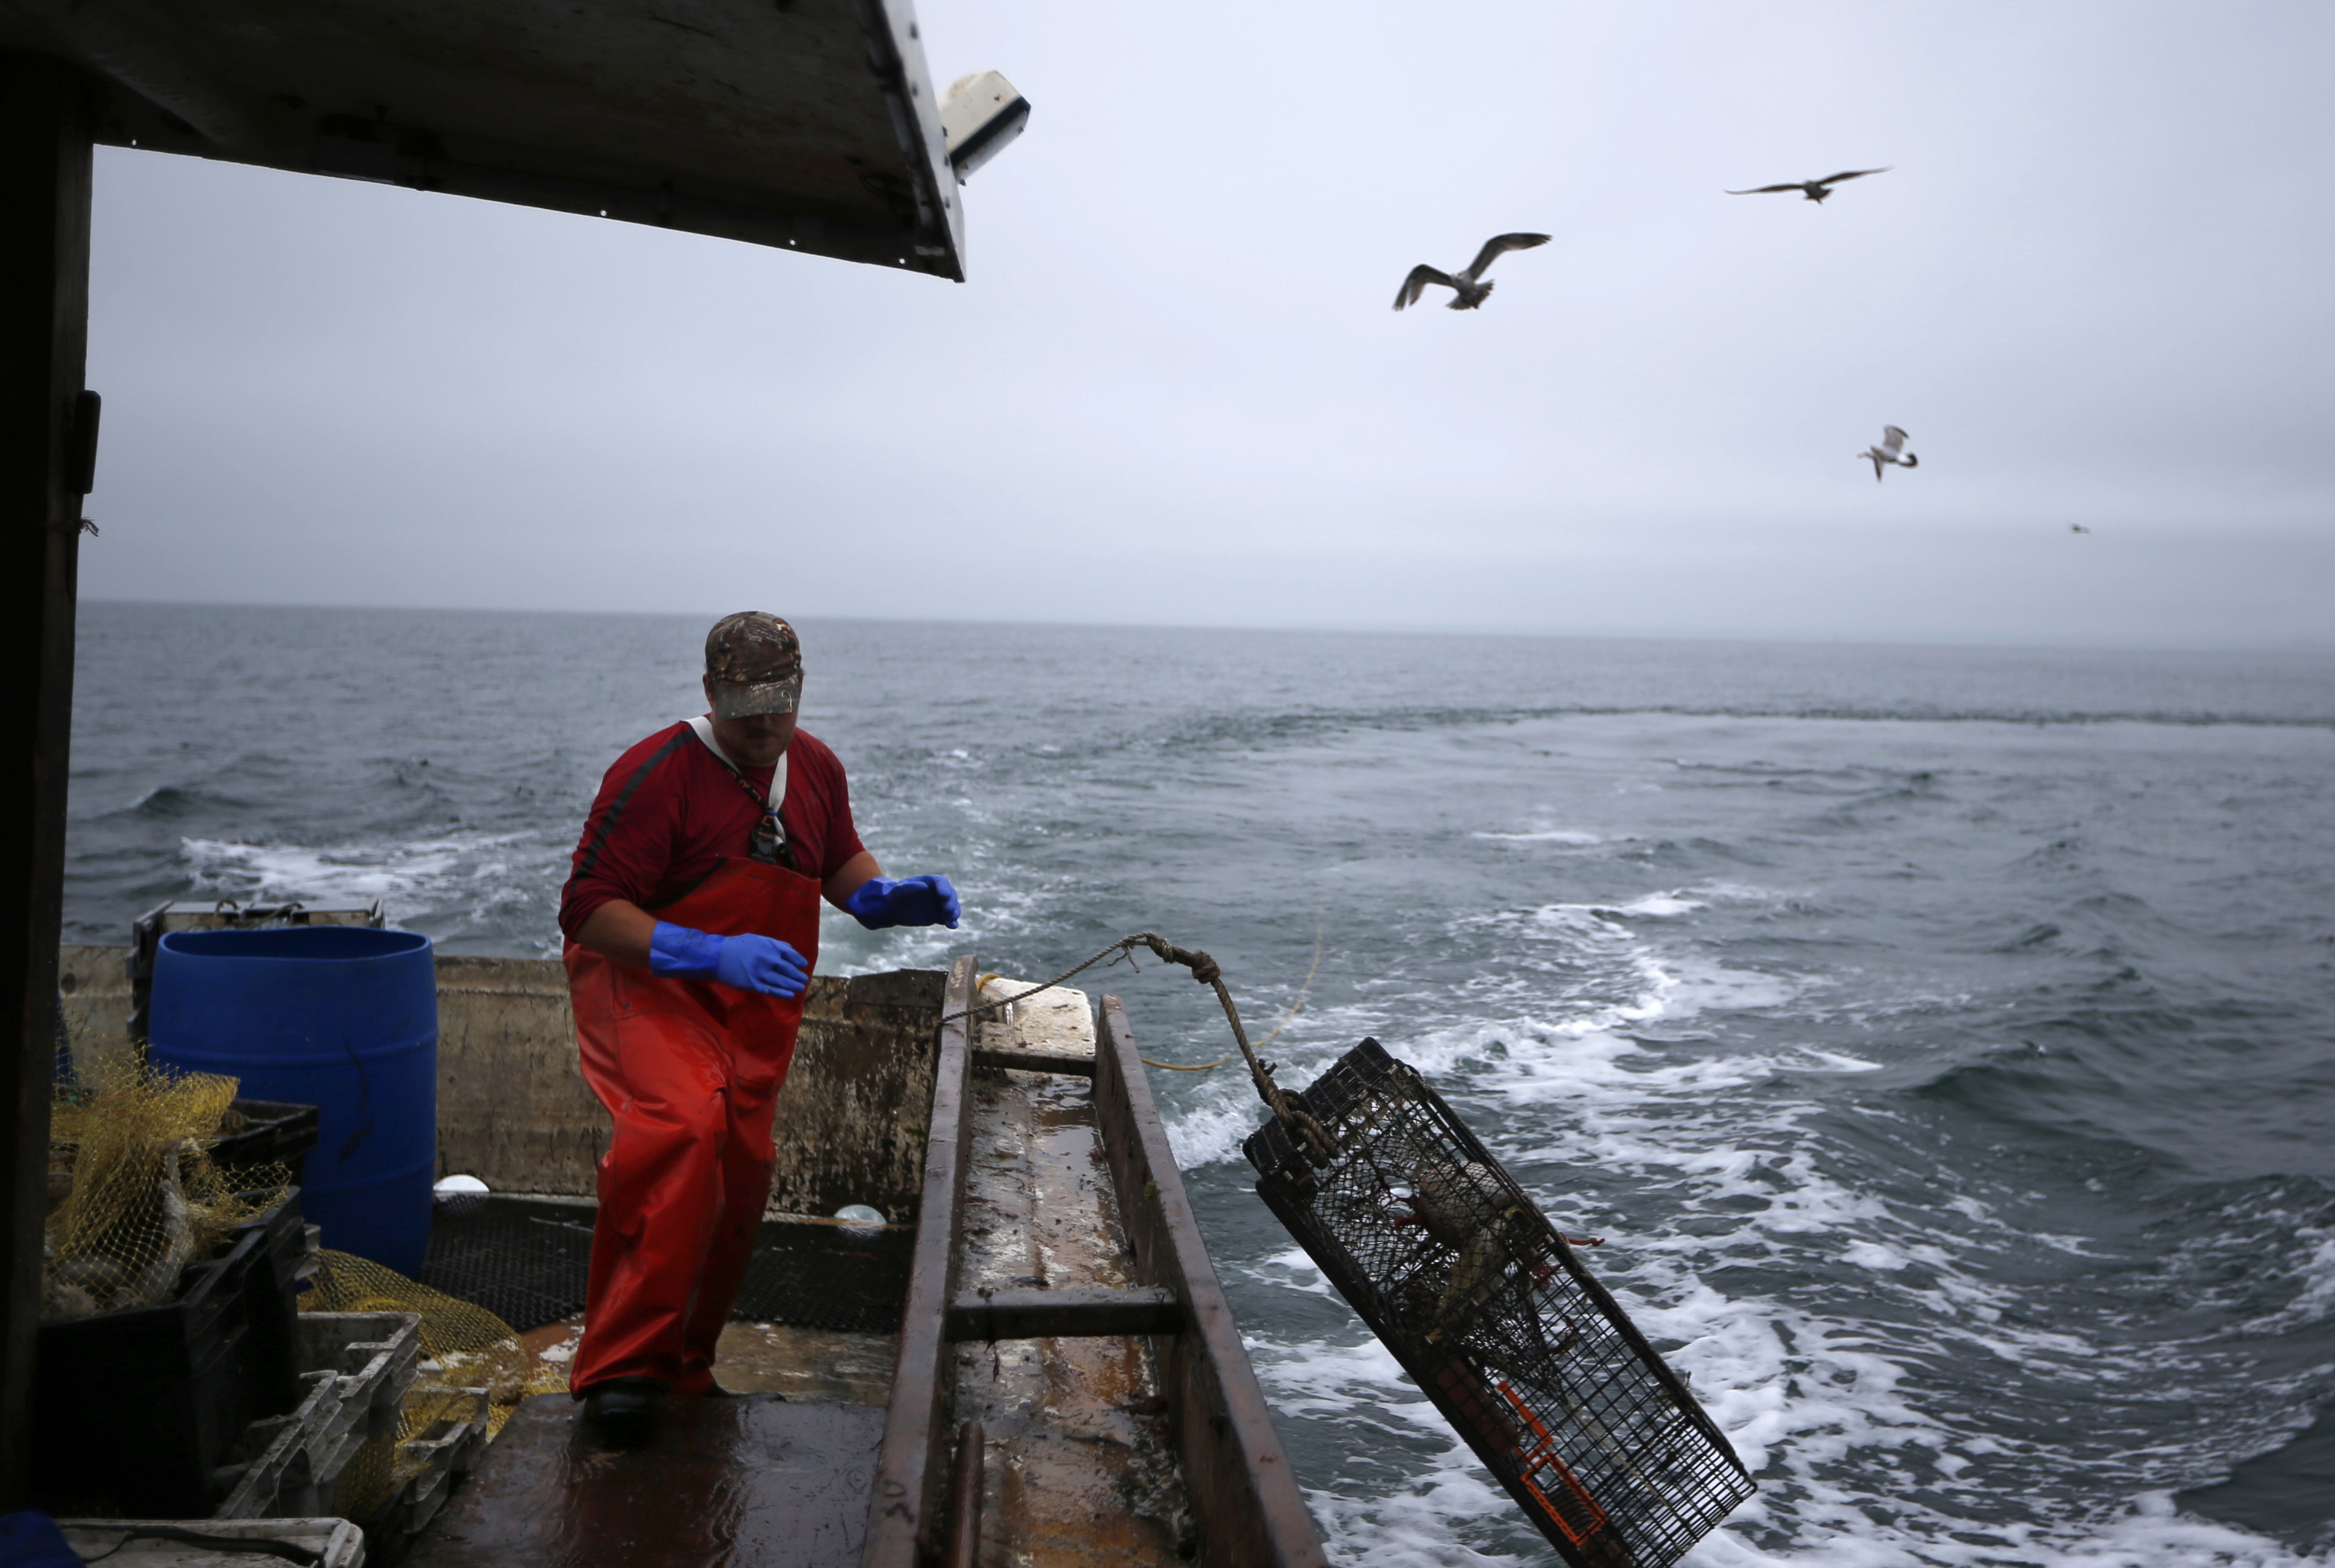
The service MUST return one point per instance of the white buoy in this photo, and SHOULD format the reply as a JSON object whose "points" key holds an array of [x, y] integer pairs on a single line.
{"points": [[859, 1220], [460, 1197]]}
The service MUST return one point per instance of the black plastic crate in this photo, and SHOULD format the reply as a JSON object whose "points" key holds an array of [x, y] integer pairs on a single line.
{"points": [[1454, 1268], [271, 1292], [138, 1409], [273, 1133]]}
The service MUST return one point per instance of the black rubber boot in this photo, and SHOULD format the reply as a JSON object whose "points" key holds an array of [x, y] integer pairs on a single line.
{"points": [[624, 1410]]}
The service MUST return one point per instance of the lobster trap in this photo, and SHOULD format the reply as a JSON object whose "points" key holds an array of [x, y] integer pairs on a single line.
{"points": [[1454, 1268]]}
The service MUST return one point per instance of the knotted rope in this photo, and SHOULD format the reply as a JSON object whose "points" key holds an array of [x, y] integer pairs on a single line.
{"points": [[1309, 1133]]}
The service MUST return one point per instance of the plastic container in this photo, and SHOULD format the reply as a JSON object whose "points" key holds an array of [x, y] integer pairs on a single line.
{"points": [[335, 1542], [339, 1017], [138, 1410], [271, 1134]]}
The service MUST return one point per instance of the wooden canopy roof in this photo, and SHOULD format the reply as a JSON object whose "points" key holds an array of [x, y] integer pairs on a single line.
{"points": [[805, 125]]}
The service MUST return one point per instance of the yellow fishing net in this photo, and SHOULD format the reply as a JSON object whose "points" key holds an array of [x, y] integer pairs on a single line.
{"points": [[464, 1345], [133, 1194], [134, 1197]]}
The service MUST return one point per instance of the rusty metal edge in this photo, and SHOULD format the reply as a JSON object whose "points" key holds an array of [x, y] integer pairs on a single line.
{"points": [[1245, 1496], [964, 1501], [904, 1500]]}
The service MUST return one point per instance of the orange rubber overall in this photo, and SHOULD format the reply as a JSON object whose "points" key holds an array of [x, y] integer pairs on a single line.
{"points": [[690, 1069]]}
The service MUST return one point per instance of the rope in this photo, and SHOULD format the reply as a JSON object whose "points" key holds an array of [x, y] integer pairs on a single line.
{"points": [[1308, 1132]]}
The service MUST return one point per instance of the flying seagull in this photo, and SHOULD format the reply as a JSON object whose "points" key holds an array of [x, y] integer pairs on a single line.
{"points": [[2077, 529], [1470, 292], [1891, 449], [1814, 190]]}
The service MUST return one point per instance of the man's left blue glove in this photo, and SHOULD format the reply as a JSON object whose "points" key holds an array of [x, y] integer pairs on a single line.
{"points": [[878, 903]]}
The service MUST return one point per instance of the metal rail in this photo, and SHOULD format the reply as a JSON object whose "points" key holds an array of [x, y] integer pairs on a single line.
{"points": [[907, 1508], [1245, 1499]]}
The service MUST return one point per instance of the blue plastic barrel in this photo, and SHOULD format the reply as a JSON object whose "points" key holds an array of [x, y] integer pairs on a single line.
{"points": [[340, 1017]]}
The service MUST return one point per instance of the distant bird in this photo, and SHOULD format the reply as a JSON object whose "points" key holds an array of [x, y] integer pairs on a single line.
{"points": [[1891, 449], [2077, 529], [1468, 286], [1814, 190]]}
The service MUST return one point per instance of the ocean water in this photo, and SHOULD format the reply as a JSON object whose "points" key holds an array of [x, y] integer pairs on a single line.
{"points": [[1942, 1039]]}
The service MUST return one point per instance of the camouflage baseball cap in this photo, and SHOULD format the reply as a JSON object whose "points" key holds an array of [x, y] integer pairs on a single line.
{"points": [[755, 663]]}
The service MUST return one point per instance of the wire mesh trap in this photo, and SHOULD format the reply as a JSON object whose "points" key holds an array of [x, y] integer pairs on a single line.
{"points": [[1454, 1268]]}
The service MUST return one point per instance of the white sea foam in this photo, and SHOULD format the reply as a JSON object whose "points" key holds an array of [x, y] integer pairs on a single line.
{"points": [[2314, 1299], [1292, 1270], [1406, 1522], [467, 877], [1661, 904], [1574, 837], [1633, 988]]}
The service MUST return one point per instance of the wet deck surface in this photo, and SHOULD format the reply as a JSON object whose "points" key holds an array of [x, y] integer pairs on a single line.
{"points": [[1079, 1468], [816, 1365], [822, 1366], [755, 1482]]}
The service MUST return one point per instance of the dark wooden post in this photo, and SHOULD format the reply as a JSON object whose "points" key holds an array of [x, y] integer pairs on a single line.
{"points": [[44, 183]]}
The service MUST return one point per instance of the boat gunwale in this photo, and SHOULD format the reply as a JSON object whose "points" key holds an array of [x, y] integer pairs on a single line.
{"points": [[1244, 1501], [1245, 1496], [904, 1509]]}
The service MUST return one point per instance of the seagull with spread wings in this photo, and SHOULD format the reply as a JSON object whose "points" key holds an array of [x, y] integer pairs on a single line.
{"points": [[1814, 190], [1891, 449], [1469, 287]]}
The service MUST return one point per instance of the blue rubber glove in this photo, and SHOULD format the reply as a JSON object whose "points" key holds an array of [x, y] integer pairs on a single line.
{"points": [[749, 962], [878, 903]]}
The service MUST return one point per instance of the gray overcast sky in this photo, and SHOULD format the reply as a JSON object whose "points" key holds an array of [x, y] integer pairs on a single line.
{"points": [[2095, 288]]}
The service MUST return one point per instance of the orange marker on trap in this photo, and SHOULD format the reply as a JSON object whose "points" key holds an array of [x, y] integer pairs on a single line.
{"points": [[1544, 1456]]}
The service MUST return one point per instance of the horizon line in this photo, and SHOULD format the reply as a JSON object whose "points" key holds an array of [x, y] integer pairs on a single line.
{"points": [[1606, 632]]}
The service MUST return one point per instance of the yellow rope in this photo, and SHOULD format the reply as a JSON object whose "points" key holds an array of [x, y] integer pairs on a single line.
{"points": [[1295, 1008], [1303, 991]]}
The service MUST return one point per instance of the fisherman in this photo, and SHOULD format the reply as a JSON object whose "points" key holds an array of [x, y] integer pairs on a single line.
{"points": [[691, 926]]}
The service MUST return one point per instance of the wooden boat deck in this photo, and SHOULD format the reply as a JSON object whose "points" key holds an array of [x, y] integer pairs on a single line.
{"points": [[1067, 1389], [1077, 1466]]}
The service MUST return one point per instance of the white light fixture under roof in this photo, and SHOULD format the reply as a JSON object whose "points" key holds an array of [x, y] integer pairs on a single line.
{"points": [[980, 113]]}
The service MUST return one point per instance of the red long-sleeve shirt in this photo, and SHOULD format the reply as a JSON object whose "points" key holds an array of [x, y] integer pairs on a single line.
{"points": [[669, 810]]}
